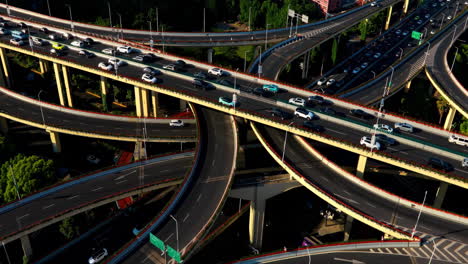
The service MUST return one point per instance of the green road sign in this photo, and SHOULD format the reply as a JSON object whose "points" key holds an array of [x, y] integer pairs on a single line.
{"points": [[157, 242], [174, 254], [416, 35]]}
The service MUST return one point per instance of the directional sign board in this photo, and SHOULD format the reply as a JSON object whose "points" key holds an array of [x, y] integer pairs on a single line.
{"points": [[305, 19], [291, 13], [416, 35], [157, 242], [174, 254]]}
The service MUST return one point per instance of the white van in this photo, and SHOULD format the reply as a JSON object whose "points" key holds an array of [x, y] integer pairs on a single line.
{"points": [[460, 140]]}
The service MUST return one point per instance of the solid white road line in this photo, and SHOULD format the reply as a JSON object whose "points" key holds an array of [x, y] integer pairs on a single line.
{"points": [[97, 189], [73, 197], [48, 206]]}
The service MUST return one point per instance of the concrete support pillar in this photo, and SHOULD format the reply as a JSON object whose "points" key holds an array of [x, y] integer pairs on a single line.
{"points": [[347, 227], [59, 84], [389, 16], [210, 55], [104, 92], [407, 86], [440, 196], [6, 67], [405, 7], [361, 166], [139, 151], [138, 101], [449, 119], [145, 102], [26, 245], [54, 138], [43, 66], [3, 125], [66, 82], [155, 103], [256, 221], [183, 105]]}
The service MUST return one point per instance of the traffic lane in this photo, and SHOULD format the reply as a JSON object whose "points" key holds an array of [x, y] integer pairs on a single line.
{"points": [[91, 190], [357, 197], [198, 207], [96, 125]]}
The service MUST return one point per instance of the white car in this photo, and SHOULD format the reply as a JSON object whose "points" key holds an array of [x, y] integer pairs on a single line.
{"points": [[465, 163], [373, 4], [176, 123], [116, 62], [17, 42], [356, 70], [404, 127], [149, 78], [38, 41], [216, 71], [98, 256], [170, 67], [449, 17], [125, 49], [301, 112], [378, 54], [105, 66], [78, 43], [331, 82], [383, 127], [367, 141], [109, 51], [322, 81], [297, 101], [364, 65]]}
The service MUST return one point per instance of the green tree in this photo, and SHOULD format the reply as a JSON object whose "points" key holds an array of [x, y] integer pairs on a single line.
{"points": [[68, 228], [442, 107], [25, 259], [31, 173], [334, 51], [363, 29], [464, 126]]}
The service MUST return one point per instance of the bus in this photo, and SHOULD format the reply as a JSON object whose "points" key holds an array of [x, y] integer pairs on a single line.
{"points": [[18, 34]]}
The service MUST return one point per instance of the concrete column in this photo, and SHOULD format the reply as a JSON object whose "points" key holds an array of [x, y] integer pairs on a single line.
{"points": [[256, 221], [104, 92], [59, 84], [210, 55], [138, 101], [66, 82], [3, 125], [155, 103], [405, 7], [440, 196], [43, 66], [407, 86], [389, 16], [26, 244], [449, 119], [140, 151], [347, 227], [6, 67], [145, 102], [183, 105], [361, 166], [54, 138]]}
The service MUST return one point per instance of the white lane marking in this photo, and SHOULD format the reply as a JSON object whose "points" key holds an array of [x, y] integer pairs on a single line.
{"points": [[399, 151], [97, 189], [123, 176], [419, 136], [371, 205], [48, 206], [348, 199], [121, 182], [336, 131], [464, 171], [169, 237], [73, 197], [22, 216], [165, 171], [198, 199], [325, 178], [212, 163], [185, 218], [347, 192]]}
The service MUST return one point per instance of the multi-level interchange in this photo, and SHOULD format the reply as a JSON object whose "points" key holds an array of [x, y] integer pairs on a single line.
{"points": [[203, 177]]}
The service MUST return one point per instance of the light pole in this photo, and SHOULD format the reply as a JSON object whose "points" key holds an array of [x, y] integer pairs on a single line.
{"points": [[157, 19], [250, 9], [401, 54], [266, 36], [390, 82], [48, 8], [40, 106], [177, 231], [110, 14], [120, 21], [373, 72], [453, 35], [456, 9], [245, 60], [14, 182], [6, 252], [71, 17], [427, 53], [151, 36], [285, 139], [204, 14], [454, 57], [7, 8], [31, 44], [419, 215], [442, 22], [235, 78], [425, 32]]}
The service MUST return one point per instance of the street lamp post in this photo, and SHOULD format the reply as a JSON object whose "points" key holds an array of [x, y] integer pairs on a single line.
{"points": [[454, 31], [266, 36], [442, 22], [245, 60], [151, 36], [235, 78], [454, 57], [7, 8], [373, 72], [425, 32], [401, 54], [121, 28], [177, 231], [419, 215], [110, 14], [71, 18], [157, 19], [390, 82], [285, 139], [250, 9], [40, 106], [456, 9], [6, 252], [427, 53], [31, 44], [204, 15], [48, 8]]}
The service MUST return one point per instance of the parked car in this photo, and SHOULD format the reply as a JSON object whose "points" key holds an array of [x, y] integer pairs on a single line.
{"points": [[383, 127], [314, 127], [304, 113], [226, 101], [149, 78], [105, 66], [367, 141], [404, 127], [271, 88], [125, 49], [439, 164], [97, 256], [176, 123], [216, 71], [297, 101]]}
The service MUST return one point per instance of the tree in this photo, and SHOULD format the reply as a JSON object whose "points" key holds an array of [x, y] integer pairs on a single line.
{"points": [[31, 173], [363, 29], [464, 126], [334, 50], [68, 228], [442, 107]]}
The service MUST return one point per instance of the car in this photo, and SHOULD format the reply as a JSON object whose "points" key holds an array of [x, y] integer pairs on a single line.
{"points": [[377, 55], [86, 54], [17, 42], [433, 32], [58, 46], [57, 52], [271, 88], [356, 70], [465, 163], [316, 99], [374, 4], [427, 16], [200, 75], [449, 17], [439, 164], [416, 18], [405, 33], [171, 67], [88, 41], [105, 66], [22, 25], [78, 43], [97, 256], [143, 58], [304, 113], [384, 139], [398, 32], [360, 113], [459, 140], [367, 141], [180, 63], [38, 41], [404, 127], [226, 101], [331, 81], [4, 31], [4, 24], [259, 91], [278, 112], [125, 49], [297, 101], [151, 70], [116, 62], [149, 78], [109, 51], [216, 71], [314, 127], [44, 30], [226, 83], [331, 111], [322, 81], [420, 22], [176, 123], [383, 127], [93, 159], [54, 37], [364, 65], [199, 83]]}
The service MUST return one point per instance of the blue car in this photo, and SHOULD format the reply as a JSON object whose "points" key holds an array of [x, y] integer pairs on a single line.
{"points": [[226, 101], [271, 88]]}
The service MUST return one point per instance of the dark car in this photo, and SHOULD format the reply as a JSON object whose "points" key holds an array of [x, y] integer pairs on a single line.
{"points": [[201, 84], [88, 41], [259, 91], [361, 114], [86, 54], [385, 139], [316, 99], [439, 164], [180, 63], [331, 111], [45, 30], [201, 75], [151, 71], [143, 58], [22, 25], [314, 127], [278, 112]]}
